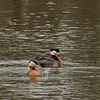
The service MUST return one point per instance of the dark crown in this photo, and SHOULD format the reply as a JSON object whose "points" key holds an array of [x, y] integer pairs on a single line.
{"points": [[57, 50]]}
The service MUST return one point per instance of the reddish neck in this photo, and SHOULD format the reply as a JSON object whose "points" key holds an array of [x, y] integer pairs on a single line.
{"points": [[55, 57], [32, 68]]}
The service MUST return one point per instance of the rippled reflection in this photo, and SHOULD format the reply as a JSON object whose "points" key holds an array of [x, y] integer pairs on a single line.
{"points": [[29, 28]]}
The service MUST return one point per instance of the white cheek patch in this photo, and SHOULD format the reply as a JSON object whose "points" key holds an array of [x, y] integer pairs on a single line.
{"points": [[53, 53], [32, 64]]}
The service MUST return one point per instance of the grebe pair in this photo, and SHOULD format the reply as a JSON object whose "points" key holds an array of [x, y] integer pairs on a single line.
{"points": [[53, 61]]}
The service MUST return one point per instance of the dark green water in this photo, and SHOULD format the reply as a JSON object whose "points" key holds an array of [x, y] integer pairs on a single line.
{"points": [[29, 28]]}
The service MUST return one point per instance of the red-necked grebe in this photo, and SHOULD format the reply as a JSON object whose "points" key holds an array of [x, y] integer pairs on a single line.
{"points": [[53, 61], [34, 69]]}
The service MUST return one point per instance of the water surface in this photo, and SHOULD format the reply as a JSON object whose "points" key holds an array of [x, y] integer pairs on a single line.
{"points": [[30, 28]]}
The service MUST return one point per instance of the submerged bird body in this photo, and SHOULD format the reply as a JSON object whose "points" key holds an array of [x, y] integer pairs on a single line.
{"points": [[34, 73], [53, 61]]}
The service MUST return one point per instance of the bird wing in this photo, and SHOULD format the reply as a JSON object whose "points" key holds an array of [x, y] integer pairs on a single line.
{"points": [[45, 61]]}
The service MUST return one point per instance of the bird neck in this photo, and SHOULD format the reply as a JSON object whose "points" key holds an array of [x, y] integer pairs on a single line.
{"points": [[55, 57], [32, 68]]}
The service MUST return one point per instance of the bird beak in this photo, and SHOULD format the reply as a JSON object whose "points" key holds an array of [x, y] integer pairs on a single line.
{"points": [[58, 53], [38, 66]]}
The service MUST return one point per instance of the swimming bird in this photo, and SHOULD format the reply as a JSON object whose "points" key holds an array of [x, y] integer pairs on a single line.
{"points": [[35, 69], [52, 61]]}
